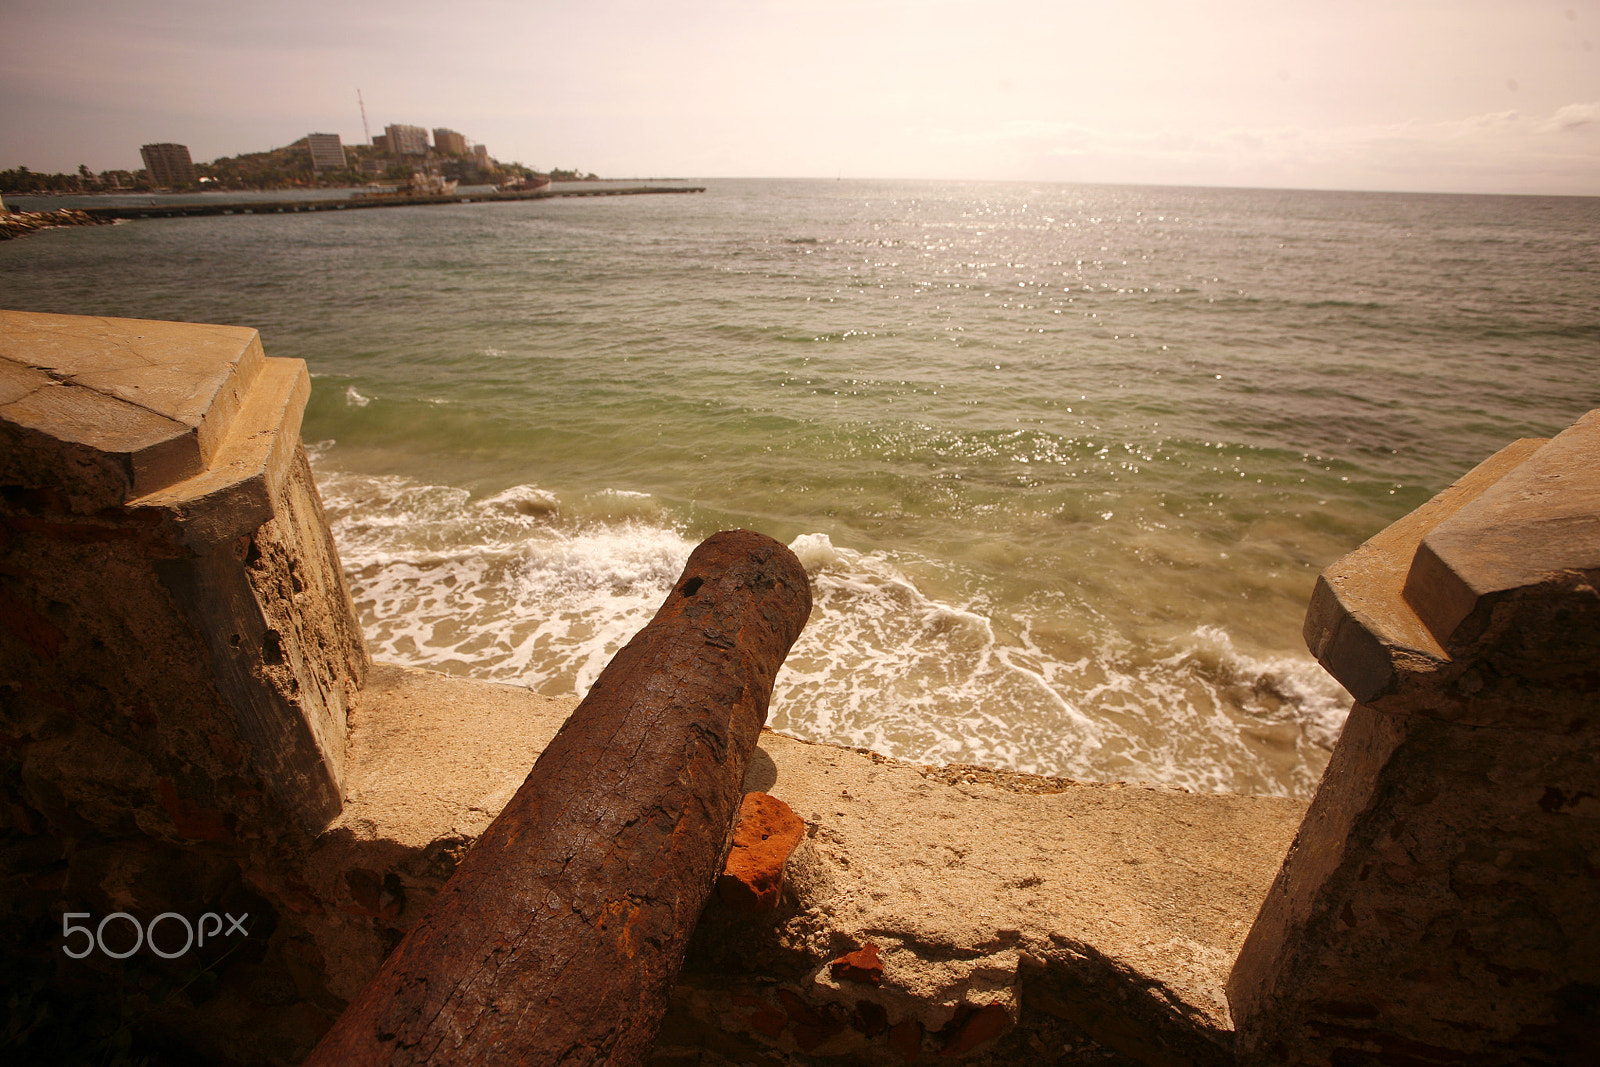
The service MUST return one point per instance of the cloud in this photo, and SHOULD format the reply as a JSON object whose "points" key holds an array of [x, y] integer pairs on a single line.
{"points": [[1571, 117], [1496, 151]]}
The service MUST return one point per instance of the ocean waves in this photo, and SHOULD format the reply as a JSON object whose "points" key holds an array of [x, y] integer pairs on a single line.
{"points": [[1064, 461], [525, 587]]}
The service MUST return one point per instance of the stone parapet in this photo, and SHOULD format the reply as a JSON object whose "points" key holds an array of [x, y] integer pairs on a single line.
{"points": [[1437, 904], [169, 579], [105, 410]]}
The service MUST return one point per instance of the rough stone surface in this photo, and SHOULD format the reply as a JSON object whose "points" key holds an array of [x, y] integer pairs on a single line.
{"points": [[1113, 910], [151, 552], [101, 408], [766, 831], [975, 1027], [1438, 902], [177, 655]]}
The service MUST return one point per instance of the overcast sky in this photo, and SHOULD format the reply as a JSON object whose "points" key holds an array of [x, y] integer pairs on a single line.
{"points": [[1440, 95]]}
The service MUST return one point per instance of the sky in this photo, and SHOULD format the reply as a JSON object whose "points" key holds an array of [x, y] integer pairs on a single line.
{"points": [[1477, 96]]}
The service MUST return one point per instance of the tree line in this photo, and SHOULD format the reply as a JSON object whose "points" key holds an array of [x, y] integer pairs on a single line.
{"points": [[23, 180]]}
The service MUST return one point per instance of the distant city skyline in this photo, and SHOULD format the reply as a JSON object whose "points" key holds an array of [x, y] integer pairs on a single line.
{"points": [[1420, 95]]}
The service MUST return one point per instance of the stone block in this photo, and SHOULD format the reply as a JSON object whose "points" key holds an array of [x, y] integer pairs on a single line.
{"points": [[1359, 624], [1437, 903], [102, 404], [160, 527], [1539, 520]]}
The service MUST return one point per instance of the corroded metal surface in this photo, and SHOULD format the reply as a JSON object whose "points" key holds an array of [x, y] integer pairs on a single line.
{"points": [[558, 938]]}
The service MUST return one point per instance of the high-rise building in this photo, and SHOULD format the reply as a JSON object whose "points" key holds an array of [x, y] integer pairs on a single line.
{"points": [[481, 153], [407, 140], [449, 142], [327, 152], [168, 164]]}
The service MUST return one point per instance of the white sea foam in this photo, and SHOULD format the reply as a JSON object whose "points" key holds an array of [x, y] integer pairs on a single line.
{"points": [[815, 552], [522, 586], [881, 665], [496, 587], [1210, 717]]}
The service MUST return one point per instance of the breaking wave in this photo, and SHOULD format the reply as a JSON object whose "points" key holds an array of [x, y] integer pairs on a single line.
{"points": [[522, 586]]}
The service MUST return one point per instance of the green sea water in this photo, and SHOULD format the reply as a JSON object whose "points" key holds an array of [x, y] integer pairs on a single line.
{"points": [[1063, 461]]}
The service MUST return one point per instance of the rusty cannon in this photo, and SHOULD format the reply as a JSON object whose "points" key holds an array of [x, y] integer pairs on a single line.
{"points": [[558, 938]]}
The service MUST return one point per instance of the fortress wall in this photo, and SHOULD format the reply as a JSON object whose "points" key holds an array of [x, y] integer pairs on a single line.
{"points": [[1438, 903]]}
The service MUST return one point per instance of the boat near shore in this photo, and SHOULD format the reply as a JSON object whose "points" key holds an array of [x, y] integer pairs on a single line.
{"points": [[419, 185], [525, 185]]}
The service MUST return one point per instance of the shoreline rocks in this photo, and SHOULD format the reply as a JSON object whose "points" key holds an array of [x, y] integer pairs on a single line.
{"points": [[21, 223]]}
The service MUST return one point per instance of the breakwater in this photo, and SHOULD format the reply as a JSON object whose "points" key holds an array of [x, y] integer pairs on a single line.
{"points": [[285, 207], [18, 223]]}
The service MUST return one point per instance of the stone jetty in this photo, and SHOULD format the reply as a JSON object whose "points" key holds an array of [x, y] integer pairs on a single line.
{"points": [[20, 223], [157, 210]]}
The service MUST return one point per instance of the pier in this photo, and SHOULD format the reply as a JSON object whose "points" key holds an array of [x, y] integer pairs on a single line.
{"points": [[285, 207]]}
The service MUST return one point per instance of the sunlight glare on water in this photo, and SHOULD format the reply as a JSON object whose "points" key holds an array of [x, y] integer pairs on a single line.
{"points": [[1063, 462]]}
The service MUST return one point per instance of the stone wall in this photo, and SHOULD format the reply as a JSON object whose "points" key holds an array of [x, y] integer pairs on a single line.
{"points": [[1438, 904], [171, 582], [178, 651]]}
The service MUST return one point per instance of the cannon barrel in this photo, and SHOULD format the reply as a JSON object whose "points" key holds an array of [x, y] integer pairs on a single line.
{"points": [[558, 938]]}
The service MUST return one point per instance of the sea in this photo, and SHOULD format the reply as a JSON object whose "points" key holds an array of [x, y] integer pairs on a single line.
{"points": [[1062, 461]]}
